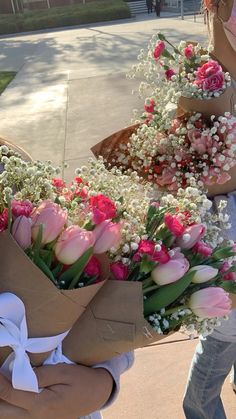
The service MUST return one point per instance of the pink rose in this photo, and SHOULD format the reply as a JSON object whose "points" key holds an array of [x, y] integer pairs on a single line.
{"points": [[166, 177], [202, 248], [210, 76], [199, 142], [148, 247], [93, 267], [169, 73], [119, 271], [21, 208], [103, 208], [150, 105], [188, 51], [173, 224], [160, 46]]}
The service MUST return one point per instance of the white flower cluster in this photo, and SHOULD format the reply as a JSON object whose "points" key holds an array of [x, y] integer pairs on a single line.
{"points": [[25, 180]]}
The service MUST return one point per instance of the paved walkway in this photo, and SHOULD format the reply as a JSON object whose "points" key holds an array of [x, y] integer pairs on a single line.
{"points": [[70, 92]]}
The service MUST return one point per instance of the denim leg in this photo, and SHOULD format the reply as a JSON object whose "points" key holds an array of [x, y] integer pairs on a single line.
{"points": [[212, 361]]}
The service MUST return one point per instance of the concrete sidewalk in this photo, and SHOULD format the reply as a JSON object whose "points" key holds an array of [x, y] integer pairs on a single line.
{"points": [[70, 92]]}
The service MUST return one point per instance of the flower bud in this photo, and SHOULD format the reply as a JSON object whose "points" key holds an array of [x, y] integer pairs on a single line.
{"points": [[170, 272], [203, 273], [210, 302], [72, 244], [107, 235], [21, 231], [53, 219]]}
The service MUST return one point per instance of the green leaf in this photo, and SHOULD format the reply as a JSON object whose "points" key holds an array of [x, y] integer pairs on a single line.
{"points": [[38, 242], [44, 268], [161, 36], [73, 274], [228, 286], [167, 294], [146, 265]]}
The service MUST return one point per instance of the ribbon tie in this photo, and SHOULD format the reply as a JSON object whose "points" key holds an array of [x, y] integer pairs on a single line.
{"points": [[14, 333]]}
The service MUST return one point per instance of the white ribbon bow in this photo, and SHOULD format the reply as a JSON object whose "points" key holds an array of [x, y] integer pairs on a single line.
{"points": [[14, 333]]}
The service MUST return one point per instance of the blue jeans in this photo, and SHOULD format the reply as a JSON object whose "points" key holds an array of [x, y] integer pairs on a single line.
{"points": [[212, 362]]}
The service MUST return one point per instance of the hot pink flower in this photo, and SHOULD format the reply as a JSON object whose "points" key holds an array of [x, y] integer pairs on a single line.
{"points": [[169, 73], [119, 271], [229, 276], [21, 208], [148, 247], [210, 302], [3, 220], [173, 224], [150, 105], [103, 208], [93, 267], [210, 76], [58, 183], [188, 51], [202, 248], [160, 46]]}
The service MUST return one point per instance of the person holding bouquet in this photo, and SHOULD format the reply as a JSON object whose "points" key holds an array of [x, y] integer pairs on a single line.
{"points": [[216, 354], [69, 391]]}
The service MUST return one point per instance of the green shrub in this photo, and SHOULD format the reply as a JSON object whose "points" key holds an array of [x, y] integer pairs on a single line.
{"points": [[91, 12]]}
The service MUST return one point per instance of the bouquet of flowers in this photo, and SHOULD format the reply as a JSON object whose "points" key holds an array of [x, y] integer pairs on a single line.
{"points": [[48, 260], [185, 137], [174, 74], [164, 274]]}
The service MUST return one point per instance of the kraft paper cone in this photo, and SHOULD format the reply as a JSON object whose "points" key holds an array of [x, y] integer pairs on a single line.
{"points": [[49, 311], [25, 156], [215, 106], [112, 324], [109, 148]]}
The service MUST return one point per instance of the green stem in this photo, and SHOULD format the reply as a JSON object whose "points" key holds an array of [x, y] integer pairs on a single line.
{"points": [[173, 310], [147, 282], [151, 288]]}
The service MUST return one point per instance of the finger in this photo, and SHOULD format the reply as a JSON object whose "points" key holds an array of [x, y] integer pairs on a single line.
{"points": [[49, 375], [24, 399]]}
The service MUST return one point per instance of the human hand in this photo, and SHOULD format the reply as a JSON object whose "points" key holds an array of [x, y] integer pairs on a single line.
{"points": [[69, 392]]}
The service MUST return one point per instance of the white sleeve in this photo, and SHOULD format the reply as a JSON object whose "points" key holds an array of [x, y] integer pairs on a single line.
{"points": [[116, 366]]}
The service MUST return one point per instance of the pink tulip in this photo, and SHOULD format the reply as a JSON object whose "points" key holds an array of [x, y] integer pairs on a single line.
{"points": [[203, 273], [210, 302], [21, 231], [72, 244], [191, 236], [52, 217], [170, 272], [107, 235]]}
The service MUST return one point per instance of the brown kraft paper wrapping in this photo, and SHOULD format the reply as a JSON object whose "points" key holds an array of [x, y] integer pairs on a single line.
{"points": [[49, 311], [216, 106], [109, 147], [112, 324]]}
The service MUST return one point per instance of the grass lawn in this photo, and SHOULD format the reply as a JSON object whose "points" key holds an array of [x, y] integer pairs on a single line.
{"points": [[90, 12], [5, 78]]}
